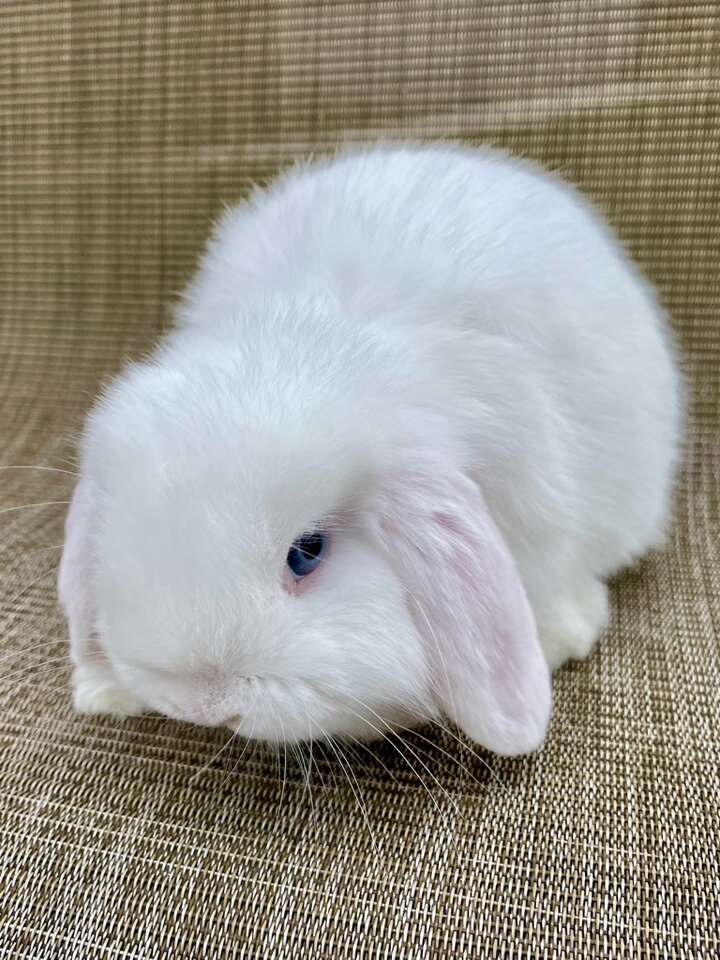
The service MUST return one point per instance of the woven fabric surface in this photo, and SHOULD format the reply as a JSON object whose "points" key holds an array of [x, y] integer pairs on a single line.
{"points": [[124, 128]]}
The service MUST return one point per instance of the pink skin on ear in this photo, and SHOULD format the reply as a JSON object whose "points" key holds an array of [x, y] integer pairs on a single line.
{"points": [[469, 605], [95, 686]]}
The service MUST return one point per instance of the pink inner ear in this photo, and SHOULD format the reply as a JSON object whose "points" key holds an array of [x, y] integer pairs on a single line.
{"points": [[469, 605]]}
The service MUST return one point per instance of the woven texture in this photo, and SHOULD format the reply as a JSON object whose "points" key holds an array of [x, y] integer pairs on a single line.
{"points": [[124, 127]]}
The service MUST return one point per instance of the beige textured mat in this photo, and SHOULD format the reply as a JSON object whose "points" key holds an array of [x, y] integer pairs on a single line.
{"points": [[123, 128]]}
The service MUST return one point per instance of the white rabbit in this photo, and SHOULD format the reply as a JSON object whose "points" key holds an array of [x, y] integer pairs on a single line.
{"points": [[438, 367]]}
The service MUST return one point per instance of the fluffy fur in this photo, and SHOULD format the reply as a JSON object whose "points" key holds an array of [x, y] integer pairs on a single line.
{"points": [[443, 358]]}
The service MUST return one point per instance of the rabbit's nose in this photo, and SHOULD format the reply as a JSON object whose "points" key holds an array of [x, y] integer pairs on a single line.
{"points": [[208, 708], [206, 716], [212, 712]]}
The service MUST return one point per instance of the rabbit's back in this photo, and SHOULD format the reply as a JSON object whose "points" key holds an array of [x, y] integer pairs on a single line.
{"points": [[569, 352]]}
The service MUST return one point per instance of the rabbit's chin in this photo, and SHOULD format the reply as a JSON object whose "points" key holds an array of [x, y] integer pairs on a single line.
{"points": [[97, 691], [375, 725]]}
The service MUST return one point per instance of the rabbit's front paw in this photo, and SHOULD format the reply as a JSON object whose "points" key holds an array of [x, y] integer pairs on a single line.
{"points": [[97, 691], [569, 630]]}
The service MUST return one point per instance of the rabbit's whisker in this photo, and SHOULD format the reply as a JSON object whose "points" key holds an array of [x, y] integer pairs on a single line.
{"points": [[26, 506]]}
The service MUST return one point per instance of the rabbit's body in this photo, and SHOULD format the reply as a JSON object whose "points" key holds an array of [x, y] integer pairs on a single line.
{"points": [[564, 383], [449, 352]]}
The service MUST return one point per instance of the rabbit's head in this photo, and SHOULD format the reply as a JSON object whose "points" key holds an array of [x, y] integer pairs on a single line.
{"points": [[286, 542]]}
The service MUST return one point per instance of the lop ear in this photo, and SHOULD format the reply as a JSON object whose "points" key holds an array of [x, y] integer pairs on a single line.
{"points": [[74, 573], [469, 605], [95, 686]]}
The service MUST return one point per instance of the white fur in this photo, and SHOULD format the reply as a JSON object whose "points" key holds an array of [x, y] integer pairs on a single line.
{"points": [[451, 294]]}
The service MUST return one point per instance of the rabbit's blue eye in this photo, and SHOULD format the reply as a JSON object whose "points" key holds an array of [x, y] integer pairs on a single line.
{"points": [[306, 553]]}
